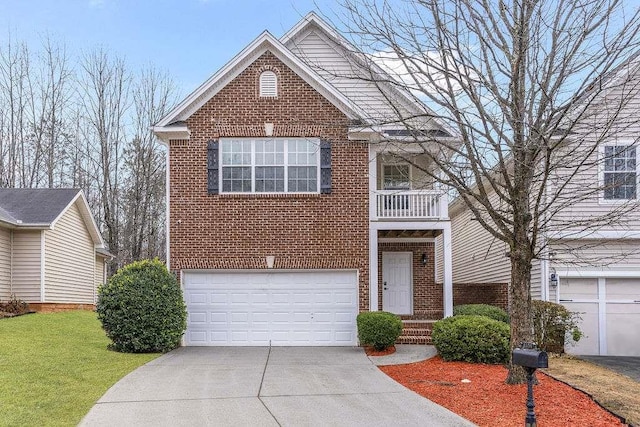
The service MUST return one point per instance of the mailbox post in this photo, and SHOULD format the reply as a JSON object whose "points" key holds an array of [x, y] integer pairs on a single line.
{"points": [[530, 359]]}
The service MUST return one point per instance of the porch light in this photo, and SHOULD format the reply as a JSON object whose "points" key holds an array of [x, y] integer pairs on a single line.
{"points": [[424, 259]]}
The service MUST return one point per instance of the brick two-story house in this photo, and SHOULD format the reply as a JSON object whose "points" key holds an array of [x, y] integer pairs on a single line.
{"points": [[287, 212]]}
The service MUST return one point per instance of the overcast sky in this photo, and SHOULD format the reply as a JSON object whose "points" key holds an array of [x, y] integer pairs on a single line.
{"points": [[190, 39]]}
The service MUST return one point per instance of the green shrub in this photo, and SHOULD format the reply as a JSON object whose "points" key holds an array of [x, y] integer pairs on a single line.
{"points": [[470, 338], [487, 310], [379, 329], [141, 308], [554, 325]]}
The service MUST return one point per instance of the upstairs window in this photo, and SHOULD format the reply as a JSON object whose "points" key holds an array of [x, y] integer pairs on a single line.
{"points": [[620, 172], [396, 177], [274, 165], [268, 84]]}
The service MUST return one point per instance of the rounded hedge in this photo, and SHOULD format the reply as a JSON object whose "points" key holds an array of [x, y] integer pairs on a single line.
{"points": [[379, 329], [141, 308], [554, 326], [487, 310], [470, 338]]}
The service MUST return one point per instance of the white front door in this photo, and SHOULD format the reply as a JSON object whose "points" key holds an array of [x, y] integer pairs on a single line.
{"points": [[396, 282]]}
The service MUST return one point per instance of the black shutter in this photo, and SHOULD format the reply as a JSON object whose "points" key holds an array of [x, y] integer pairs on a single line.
{"points": [[212, 167], [325, 167]]}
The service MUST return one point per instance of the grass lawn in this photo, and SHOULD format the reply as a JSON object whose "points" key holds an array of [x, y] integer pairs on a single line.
{"points": [[53, 367]]}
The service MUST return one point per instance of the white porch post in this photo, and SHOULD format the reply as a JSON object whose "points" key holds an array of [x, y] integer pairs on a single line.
{"points": [[373, 232], [447, 285], [373, 269]]}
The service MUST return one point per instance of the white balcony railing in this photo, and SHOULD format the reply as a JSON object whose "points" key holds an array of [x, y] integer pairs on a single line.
{"points": [[411, 204]]}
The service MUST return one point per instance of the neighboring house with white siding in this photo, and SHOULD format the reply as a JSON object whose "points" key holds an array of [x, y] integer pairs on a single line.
{"points": [[591, 269], [51, 251]]}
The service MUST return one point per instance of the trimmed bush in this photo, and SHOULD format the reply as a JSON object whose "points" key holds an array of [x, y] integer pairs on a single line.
{"points": [[469, 338], [487, 310], [379, 329], [554, 325], [141, 308]]}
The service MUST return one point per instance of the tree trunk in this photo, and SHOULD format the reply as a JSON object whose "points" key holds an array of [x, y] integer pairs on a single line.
{"points": [[520, 310]]}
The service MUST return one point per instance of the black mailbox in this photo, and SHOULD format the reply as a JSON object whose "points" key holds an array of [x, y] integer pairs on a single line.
{"points": [[530, 358]]}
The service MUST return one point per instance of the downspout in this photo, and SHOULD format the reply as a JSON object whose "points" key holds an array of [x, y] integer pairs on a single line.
{"points": [[42, 269], [167, 213], [10, 262]]}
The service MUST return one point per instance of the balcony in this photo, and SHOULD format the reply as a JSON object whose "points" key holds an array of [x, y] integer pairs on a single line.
{"points": [[410, 205]]}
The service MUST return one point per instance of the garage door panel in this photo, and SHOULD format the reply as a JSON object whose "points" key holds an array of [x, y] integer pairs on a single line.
{"points": [[623, 289], [589, 343], [623, 329], [198, 317], [289, 308]]}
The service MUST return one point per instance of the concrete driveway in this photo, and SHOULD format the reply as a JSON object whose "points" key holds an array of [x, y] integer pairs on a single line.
{"points": [[258, 386]]}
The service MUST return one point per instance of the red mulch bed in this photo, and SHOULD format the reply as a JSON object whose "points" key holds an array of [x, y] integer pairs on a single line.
{"points": [[370, 351], [488, 401]]}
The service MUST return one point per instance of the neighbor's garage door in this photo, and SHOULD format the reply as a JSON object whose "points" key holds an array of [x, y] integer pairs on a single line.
{"points": [[271, 308], [610, 311]]}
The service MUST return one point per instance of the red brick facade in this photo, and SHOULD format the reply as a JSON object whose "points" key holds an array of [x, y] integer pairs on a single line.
{"points": [[427, 295], [319, 231], [54, 307], [481, 293]]}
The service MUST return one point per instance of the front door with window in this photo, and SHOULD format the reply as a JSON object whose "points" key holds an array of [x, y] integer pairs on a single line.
{"points": [[396, 282]]}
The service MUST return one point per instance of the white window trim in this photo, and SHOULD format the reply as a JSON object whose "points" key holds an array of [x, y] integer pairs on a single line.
{"points": [[627, 142], [316, 141]]}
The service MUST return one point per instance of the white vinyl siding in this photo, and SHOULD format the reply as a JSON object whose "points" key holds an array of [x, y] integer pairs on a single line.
{"points": [[624, 131], [5, 264], [478, 257], [597, 254], [69, 261], [99, 272], [26, 265], [328, 60]]}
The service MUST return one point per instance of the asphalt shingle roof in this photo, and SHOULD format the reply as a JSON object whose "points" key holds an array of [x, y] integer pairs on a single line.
{"points": [[34, 205]]}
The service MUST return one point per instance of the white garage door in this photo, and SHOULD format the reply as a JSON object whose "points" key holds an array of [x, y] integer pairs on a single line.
{"points": [[271, 308], [610, 311]]}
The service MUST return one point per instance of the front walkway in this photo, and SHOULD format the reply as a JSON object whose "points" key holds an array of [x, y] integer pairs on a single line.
{"points": [[258, 386]]}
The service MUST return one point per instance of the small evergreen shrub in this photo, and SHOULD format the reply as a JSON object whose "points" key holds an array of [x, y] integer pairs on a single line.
{"points": [[554, 325], [471, 338], [141, 308], [379, 329], [487, 310]]}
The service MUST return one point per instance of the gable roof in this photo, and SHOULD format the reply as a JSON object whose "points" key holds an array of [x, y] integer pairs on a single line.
{"points": [[41, 208], [405, 103], [265, 42]]}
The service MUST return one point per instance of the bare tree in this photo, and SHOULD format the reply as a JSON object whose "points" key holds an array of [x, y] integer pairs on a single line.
{"points": [[153, 95], [104, 94], [14, 72], [525, 88]]}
